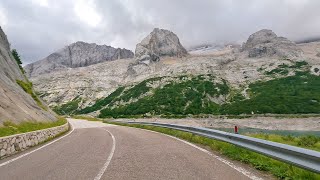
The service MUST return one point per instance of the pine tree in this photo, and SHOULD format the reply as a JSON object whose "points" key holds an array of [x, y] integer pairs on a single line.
{"points": [[16, 56], [18, 60]]}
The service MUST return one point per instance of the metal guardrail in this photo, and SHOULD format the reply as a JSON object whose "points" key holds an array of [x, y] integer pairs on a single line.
{"points": [[304, 158]]}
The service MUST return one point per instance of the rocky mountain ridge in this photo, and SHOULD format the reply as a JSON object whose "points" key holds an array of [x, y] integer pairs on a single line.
{"points": [[15, 104], [79, 54], [231, 64]]}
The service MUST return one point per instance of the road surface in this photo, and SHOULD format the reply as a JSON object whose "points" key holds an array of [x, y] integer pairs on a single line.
{"points": [[94, 150]]}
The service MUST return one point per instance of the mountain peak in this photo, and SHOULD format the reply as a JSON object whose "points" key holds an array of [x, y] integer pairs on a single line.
{"points": [[160, 42], [78, 54], [265, 43]]}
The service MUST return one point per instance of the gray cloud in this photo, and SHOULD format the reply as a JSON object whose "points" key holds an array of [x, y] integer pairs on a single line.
{"points": [[38, 27]]}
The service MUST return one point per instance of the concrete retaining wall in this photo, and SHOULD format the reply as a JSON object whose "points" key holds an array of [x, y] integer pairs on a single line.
{"points": [[10, 145]]}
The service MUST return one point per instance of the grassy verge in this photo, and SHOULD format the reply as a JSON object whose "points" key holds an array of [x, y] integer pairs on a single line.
{"points": [[260, 162], [28, 88], [309, 142], [10, 128]]}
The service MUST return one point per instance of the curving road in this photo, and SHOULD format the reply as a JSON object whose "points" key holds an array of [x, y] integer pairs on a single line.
{"points": [[94, 150]]}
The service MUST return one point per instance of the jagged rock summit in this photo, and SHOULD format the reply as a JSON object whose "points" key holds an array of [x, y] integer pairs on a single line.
{"points": [[79, 54], [158, 43], [15, 104], [265, 43]]}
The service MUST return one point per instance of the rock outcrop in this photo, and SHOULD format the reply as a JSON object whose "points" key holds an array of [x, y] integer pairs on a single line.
{"points": [[15, 104], [158, 43], [265, 43], [79, 54]]}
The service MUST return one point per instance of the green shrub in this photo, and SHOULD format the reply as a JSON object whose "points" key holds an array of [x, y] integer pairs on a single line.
{"points": [[28, 88], [308, 141], [68, 108], [102, 102], [187, 96], [297, 94]]}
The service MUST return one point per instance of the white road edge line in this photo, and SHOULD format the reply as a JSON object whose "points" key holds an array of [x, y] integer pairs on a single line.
{"points": [[105, 166], [28, 153], [239, 169]]}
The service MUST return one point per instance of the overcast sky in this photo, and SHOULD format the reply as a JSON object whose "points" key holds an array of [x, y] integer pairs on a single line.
{"points": [[37, 28]]}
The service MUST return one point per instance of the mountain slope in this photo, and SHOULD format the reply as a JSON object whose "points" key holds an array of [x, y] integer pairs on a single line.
{"points": [[16, 102], [207, 94]]}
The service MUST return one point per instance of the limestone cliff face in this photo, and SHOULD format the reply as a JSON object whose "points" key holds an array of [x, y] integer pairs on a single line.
{"points": [[79, 54], [15, 104]]}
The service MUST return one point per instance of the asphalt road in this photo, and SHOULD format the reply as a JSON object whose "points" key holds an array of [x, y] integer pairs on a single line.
{"points": [[94, 150]]}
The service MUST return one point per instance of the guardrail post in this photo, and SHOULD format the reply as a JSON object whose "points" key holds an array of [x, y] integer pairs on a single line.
{"points": [[236, 129]]}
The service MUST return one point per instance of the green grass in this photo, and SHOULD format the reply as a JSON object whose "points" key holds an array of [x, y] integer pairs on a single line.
{"points": [[10, 128], [28, 88], [260, 162], [309, 142]]}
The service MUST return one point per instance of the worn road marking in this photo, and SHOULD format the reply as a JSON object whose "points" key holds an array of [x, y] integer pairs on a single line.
{"points": [[28, 153], [239, 169], [105, 166]]}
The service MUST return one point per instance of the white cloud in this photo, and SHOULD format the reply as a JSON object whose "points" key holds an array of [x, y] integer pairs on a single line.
{"points": [[3, 18], [39, 27], [85, 10], [43, 3]]}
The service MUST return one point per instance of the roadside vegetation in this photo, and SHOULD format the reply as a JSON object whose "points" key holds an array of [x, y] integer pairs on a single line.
{"points": [[260, 162], [307, 141], [10, 128], [28, 88]]}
